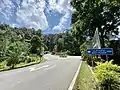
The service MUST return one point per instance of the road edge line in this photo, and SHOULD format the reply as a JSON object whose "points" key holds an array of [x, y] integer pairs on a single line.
{"points": [[75, 77]]}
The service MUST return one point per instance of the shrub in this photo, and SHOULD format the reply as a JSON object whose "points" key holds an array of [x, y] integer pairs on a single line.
{"points": [[69, 52], [28, 59], [108, 76], [33, 58], [2, 66], [22, 59], [88, 58], [12, 59]]}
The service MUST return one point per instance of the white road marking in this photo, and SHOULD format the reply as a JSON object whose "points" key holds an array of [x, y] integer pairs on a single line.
{"points": [[42, 67], [75, 77], [50, 67], [34, 69]]}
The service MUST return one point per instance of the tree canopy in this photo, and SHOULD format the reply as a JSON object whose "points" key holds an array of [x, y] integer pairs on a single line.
{"points": [[92, 14], [18, 43]]}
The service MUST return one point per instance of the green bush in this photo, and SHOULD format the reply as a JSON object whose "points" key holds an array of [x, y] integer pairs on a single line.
{"points": [[2, 66], [69, 52], [22, 59], [88, 58], [108, 76], [28, 59], [33, 58], [12, 60]]}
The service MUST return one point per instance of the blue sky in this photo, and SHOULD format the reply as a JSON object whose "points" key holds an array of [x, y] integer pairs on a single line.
{"points": [[52, 16]]}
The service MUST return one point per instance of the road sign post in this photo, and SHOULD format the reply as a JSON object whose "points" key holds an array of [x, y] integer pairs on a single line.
{"points": [[94, 47], [107, 57], [94, 43]]}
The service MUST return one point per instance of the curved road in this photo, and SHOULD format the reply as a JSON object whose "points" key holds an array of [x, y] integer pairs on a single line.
{"points": [[54, 74]]}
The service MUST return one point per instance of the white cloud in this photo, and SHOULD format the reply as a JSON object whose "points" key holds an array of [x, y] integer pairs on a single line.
{"points": [[63, 22], [6, 9], [63, 7], [29, 13], [32, 14]]}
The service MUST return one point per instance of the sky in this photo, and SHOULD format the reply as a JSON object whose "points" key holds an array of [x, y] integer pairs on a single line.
{"points": [[52, 16]]}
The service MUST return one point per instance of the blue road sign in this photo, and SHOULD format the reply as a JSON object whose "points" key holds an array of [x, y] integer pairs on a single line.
{"points": [[102, 51]]}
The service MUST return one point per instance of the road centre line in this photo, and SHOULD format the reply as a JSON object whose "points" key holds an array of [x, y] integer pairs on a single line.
{"points": [[34, 69], [50, 67]]}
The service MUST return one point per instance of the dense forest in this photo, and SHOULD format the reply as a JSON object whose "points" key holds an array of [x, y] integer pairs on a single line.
{"points": [[23, 45], [65, 42], [19, 45]]}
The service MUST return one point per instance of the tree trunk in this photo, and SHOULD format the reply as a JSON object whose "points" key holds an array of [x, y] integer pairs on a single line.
{"points": [[102, 42], [102, 38]]}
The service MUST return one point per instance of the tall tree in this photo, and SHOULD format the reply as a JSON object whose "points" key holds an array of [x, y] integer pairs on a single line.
{"points": [[37, 45], [92, 14], [14, 53]]}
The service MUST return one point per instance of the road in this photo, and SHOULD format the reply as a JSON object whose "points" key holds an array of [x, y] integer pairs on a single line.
{"points": [[54, 74]]}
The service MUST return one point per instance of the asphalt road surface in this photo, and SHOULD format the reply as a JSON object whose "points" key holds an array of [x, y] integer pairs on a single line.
{"points": [[54, 74]]}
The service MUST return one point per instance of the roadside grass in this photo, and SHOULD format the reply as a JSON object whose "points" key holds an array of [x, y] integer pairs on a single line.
{"points": [[31, 63], [20, 65], [85, 80]]}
